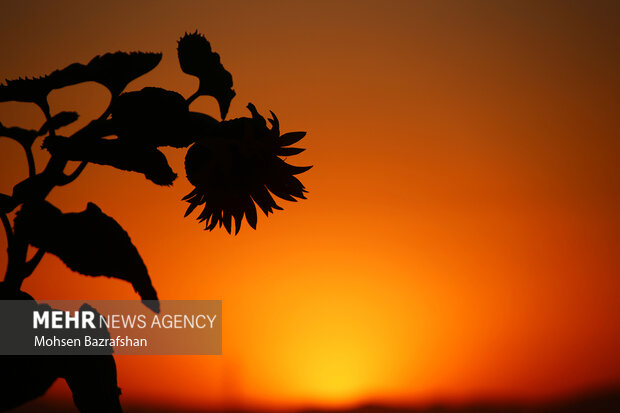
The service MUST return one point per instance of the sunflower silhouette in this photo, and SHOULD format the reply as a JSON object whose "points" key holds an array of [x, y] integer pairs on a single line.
{"points": [[239, 166]]}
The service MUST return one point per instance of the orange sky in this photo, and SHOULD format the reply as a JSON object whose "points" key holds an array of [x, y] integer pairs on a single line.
{"points": [[461, 239]]}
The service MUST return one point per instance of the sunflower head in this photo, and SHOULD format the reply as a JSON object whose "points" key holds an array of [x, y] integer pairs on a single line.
{"points": [[192, 49], [198, 59], [239, 166]]}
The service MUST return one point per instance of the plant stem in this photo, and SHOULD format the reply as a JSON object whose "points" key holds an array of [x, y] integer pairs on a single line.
{"points": [[192, 97], [18, 267], [73, 176], [32, 170], [7, 227], [17, 251], [32, 264]]}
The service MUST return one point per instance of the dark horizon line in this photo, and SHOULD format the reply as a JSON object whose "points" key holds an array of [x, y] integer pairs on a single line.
{"points": [[601, 400]]}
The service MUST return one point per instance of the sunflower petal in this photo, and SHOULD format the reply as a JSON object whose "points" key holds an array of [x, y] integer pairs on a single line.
{"points": [[275, 124], [250, 213], [289, 151], [296, 170], [264, 200], [190, 209], [280, 191], [190, 195], [227, 220], [291, 138]]}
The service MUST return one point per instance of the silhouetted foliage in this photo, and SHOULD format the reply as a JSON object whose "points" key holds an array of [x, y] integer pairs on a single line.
{"points": [[116, 70], [153, 117], [25, 137], [113, 70], [197, 59], [58, 121], [118, 153], [89, 242], [92, 379], [232, 164], [34, 90]]}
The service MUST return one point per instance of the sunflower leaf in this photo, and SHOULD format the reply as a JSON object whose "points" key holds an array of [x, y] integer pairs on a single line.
{"points": [[143, 159], [33, 90], [92, 378], [6, 203], [58, 121], [89, 242], [116, 70], [112, 70], [153, 116]]}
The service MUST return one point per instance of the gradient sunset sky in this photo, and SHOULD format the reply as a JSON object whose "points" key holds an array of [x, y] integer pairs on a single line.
{"points": [[461, 239]]}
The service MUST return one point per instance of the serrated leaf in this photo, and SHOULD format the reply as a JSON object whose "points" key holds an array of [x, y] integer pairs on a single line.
{"points": [[112, 70], [116, 70], [34, 90], [117, 153], [88, 242], [73, 74]]}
